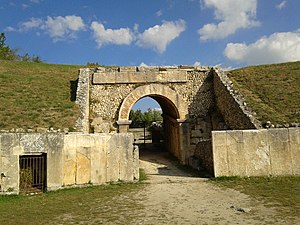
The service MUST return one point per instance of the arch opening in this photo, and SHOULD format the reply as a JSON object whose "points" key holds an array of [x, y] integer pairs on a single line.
{"points": [[158, 136], [174, 112]]}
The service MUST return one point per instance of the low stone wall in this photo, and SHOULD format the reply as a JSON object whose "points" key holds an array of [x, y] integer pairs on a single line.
{"points": [[273, 152], [72, 159]]}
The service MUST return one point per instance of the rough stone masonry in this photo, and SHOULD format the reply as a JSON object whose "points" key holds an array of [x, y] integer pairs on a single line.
{"points": [[191, 105]]}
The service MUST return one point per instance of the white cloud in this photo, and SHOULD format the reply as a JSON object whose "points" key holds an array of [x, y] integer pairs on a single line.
{"points": [[159, 37], [232, 14], [31, 24], [278, 47], [59, 28], [102, 36], [281, 5]]}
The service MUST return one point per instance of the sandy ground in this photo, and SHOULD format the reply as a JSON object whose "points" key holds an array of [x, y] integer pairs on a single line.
{"points": [[175, 197]]}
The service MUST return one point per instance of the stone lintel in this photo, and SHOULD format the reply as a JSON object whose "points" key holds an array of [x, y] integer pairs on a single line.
{"points": [[140, 77]]}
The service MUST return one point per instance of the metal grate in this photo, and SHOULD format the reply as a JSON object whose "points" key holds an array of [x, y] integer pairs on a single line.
{"points": [[33, 173]]}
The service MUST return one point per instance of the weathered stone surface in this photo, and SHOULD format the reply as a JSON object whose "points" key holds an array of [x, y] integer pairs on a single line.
{"points": [[257, 153], [127, 75], [72, 159], [235, 152], [113, 159], [294, 140], [83, 173], [220, 159], [280, 151], [126, 152], [99, 159], [69, 168]]}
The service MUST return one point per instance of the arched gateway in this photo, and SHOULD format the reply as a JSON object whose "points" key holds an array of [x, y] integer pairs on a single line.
{"points": [[185, 94], [174, 113]]}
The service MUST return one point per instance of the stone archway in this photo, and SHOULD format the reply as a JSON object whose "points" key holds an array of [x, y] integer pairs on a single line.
{"points": [[174, 114]]}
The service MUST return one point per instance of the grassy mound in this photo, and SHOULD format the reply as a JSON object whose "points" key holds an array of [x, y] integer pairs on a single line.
{"points": [[272, 91], [36, 95]]}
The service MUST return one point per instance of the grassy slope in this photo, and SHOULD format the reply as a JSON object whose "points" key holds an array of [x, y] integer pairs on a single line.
{"points": [[36, 95], [272, 91]]}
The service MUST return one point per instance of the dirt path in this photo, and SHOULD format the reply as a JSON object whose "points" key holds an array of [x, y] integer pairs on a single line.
{"points": [[174, 197]]}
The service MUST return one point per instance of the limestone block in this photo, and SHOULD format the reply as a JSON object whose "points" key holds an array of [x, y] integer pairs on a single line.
{"points": [[54, 144], [126, 156], [83, 162], [280, 152], [294, 138], [220, 153], [113, 158], [83, 172], [257, 160], [10, 166], [69, 162], [36, 142], [8, 142], [99, 159], [236, 153], [83, 140], [69, 175]]}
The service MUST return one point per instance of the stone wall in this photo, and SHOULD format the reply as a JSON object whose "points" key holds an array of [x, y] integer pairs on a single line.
{"points": [[83, 100], [72, 159], [231, 104], [109, 88], [262, 152]]}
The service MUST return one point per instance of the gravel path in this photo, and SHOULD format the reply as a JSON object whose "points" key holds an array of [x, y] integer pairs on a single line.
{"points": [[175, 197]]}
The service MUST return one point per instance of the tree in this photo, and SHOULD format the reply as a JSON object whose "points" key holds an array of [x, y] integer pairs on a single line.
{"points": [[145, 119], [6, 53]]}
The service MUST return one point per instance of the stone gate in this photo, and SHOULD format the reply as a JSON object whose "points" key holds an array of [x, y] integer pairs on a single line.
{"points": [[191, 106]]}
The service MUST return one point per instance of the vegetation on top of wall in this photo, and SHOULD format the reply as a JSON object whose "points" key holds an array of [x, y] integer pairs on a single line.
{"points": [[37, 95], [272, 91]]}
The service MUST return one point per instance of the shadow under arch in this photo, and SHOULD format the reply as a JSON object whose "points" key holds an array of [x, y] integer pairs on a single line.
{"points": [[175, 112]]}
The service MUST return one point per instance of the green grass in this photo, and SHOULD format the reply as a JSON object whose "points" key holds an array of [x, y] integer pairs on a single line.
{"points": [[280, 192], [90, 205], [36, 95], [272, 91]]}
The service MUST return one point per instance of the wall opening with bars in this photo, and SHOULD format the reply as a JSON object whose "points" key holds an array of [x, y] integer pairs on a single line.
{"points": [[33, 171]]}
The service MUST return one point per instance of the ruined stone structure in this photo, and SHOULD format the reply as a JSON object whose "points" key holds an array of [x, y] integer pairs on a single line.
{"points": [[70, 160], [191, 105], [206, 124]]}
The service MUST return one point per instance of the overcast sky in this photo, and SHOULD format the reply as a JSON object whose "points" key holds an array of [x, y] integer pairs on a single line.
{"points": [[230, 33], [227, 33]]}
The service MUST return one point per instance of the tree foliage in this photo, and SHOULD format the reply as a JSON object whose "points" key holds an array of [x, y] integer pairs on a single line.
{"points": [[140, 119], [7, 53]]}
